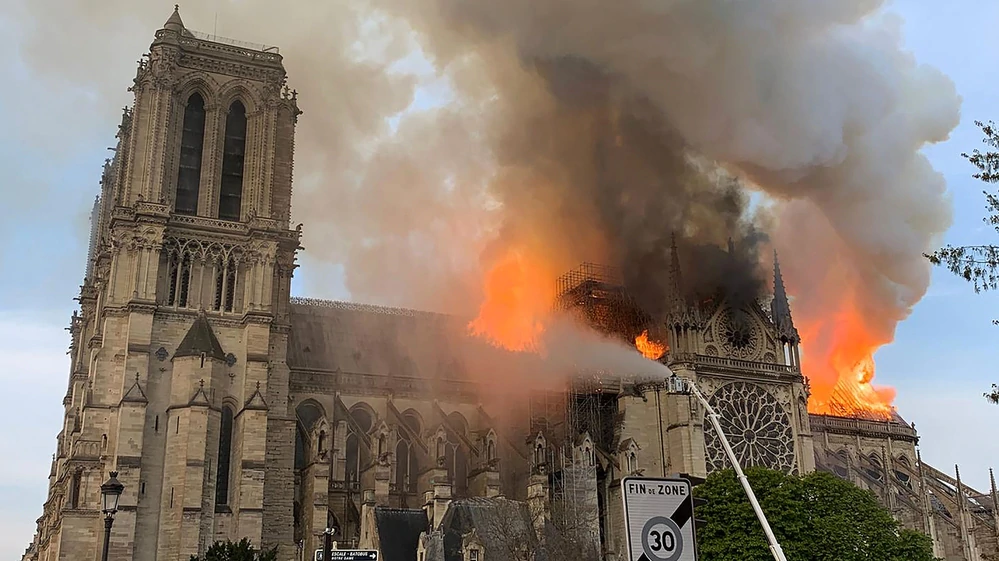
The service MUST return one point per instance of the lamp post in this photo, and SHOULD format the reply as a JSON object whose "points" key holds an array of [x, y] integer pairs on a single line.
{"points": [[328, 541], [110, 493]]}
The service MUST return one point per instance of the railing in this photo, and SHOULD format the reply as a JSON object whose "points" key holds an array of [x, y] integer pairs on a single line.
{"points": [[825, 423], [86, 450], [345, 485], [202, 222], [735, 363], [326, 382], [232, 42]]}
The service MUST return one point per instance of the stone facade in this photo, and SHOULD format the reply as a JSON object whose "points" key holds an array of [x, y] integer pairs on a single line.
{"points": [[232, 410], [166, 266]]}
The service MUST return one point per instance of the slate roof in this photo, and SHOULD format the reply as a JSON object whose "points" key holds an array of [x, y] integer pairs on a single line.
{"points": [[433, 547], [200, 339], [498, 522], [358, 338], [399, 532]]}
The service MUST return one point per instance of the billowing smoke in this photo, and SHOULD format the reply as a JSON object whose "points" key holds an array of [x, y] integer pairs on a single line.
{"points": [[575, 130], [600, 111]]}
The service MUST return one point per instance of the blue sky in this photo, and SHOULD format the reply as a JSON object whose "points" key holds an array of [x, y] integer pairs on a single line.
{"points": [[56, 136]]}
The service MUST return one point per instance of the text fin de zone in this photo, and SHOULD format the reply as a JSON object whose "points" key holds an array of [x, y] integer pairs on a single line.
{"points": [[656, 489]]}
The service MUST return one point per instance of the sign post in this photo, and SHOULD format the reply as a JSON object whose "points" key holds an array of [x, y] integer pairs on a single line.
{"points": [[659, 519]]}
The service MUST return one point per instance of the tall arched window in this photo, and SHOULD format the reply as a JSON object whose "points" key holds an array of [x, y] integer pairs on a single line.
{"points": [[456, 462], [412, 420], [356, 456], [353, 458], [231, 191], [74, 490], [192, 143], [300, 443], [225, 449], [402, 474], [225, 284], [179, 277]]}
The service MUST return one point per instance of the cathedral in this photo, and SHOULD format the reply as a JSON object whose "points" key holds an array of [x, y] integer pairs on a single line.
{"points": [[230, 409]]}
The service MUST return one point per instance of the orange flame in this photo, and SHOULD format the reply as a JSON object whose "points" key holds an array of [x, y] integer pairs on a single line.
{"points": [[838, 358], [517, 304], [649, 349]]}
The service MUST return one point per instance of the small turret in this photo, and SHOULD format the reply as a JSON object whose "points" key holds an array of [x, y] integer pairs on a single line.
{"points": [[174, 23]]}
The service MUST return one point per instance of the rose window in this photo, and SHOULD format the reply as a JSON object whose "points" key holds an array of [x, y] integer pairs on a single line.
{"points": [[757, 427], [739, 333]]}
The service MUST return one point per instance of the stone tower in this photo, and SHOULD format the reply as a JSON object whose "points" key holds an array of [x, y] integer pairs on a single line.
{"points": [[179, 380]]}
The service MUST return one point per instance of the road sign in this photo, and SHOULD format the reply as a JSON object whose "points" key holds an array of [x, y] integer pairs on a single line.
{"points": [[659, 519], [349, 555]]}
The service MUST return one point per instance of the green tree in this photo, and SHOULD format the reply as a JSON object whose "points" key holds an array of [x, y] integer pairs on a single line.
{"points": [[979, 264], [239, 551], [818, 517]]}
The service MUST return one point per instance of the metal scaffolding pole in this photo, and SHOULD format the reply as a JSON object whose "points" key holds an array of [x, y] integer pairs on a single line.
{"points": [[676, 384]]}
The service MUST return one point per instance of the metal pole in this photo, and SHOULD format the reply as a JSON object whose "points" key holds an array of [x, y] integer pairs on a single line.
{"points": [[775, 548], [327, 544], [108, 522]]}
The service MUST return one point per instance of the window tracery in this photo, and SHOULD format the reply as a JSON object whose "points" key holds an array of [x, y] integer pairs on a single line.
{"points": [[757, 426], [738, 333], [356, 457], [191, 149], [233, 153], [210, 268]]}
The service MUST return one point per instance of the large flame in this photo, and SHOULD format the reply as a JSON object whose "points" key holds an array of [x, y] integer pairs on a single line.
{"points": [[838, 358], [837, 346], [649, 349], [517, 303]]}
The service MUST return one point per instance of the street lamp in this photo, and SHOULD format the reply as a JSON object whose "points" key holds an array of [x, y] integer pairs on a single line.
{"points": [[110, 493], [328, 541]]}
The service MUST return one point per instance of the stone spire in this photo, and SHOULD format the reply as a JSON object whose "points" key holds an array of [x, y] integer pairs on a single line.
{"points": [[962, 519], [676, 284], [680, 313], [780, 308], [174, 23], [995, 500]]}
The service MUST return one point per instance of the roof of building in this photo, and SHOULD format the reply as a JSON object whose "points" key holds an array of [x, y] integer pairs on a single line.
{"points": [[358, 338], [399, 532], [498, 522], [200, 339], [174, 22]]}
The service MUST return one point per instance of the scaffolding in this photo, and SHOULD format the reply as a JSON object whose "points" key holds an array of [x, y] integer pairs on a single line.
{"points": [[595, 294]]}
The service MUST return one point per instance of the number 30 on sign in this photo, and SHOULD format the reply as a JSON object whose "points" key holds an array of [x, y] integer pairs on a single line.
{"points": [[659, 519]]}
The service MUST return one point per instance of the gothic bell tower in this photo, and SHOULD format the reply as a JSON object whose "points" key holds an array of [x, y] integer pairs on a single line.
{"points": [[179, 378]]}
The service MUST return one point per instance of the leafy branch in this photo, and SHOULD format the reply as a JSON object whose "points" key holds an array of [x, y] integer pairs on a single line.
{"points": [[979, 264]]}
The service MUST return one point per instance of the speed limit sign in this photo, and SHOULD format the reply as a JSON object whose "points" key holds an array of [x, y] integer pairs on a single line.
{"points": [[659, 519]]}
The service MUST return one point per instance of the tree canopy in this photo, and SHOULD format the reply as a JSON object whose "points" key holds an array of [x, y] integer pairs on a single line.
{"points": [[818, 517], [979, 264], [242, 550]]}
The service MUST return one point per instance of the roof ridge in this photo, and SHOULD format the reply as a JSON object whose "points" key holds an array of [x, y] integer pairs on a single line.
{"points": [[361, 307]]}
